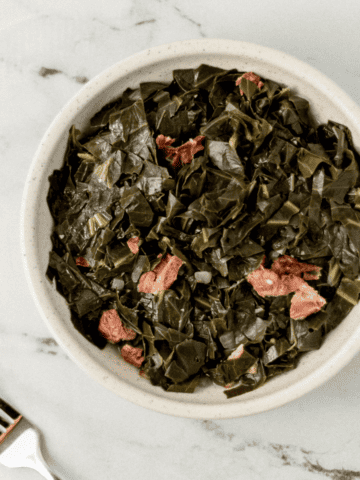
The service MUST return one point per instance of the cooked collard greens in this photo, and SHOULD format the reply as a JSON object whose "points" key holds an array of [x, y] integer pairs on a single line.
{"points": [[208, 228]]}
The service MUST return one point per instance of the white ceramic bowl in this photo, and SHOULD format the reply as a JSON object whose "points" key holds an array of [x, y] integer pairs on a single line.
{"points": [[327, 101]]}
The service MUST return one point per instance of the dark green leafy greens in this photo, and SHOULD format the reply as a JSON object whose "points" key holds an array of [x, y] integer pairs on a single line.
{"points": [[267, 183]]}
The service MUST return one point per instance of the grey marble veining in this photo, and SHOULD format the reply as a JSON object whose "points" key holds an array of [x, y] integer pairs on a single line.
{"points": [[48, 50]]}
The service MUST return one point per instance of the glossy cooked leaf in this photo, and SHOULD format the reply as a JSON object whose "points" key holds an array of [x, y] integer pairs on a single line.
{"points": [[87, 325], [148, 89], [337, 189], [99, 146], [185, 387], [218, 262], [129, 315], [248, 382], [255, 329], [87, 301], [189, 79], [207, 238], [109, 172], [172, 310], [173, 206], [190, 357], [154, 179], [66, 276], [248, 87], [127, 121], [275, 351], [340, 306], [350, 218], [137, 207], [170, 335], [231, 370], [305, 337], [281, 218], [225, 157], [141, 265], [315, 203], [308, 162], [120, 255]]}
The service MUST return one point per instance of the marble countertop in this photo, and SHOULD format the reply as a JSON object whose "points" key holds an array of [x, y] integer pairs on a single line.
{"points": [[48, 50]]}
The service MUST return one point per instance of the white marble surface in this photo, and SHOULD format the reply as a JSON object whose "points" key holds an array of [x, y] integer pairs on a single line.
{"points": [[47, 51]]}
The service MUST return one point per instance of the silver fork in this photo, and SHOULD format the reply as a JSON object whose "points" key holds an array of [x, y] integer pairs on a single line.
{"points": [[20, 446]]}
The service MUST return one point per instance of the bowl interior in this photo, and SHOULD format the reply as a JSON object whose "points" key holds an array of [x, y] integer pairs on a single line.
{"points": [[327, 101]]}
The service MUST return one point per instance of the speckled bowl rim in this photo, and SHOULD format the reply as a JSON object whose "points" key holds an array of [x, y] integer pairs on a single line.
{"points": [[68, 342]]}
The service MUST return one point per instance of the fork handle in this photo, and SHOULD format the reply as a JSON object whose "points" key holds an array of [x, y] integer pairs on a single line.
{"points": [[37, 462]]}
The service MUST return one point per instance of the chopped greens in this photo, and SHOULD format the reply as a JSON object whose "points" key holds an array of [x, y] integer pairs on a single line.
{"points": [[207, 228]]}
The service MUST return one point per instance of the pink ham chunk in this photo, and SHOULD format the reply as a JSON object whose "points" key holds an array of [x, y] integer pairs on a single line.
{"points": [[287, 264], [285, 278], [162, 277], [305, 302], [132, 355], [265, 282], [182, 154], [82, 262], [113, 329], [252, 77], [132, 243]]}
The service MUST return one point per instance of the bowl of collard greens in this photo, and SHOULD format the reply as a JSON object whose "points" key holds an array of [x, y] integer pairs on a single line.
{"points": [[190, 228]]}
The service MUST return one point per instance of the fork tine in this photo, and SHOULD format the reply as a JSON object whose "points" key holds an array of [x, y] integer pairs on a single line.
{"points": [[8, 430], [5, 407], [11, 413], [4, 423], [23, 448]]}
